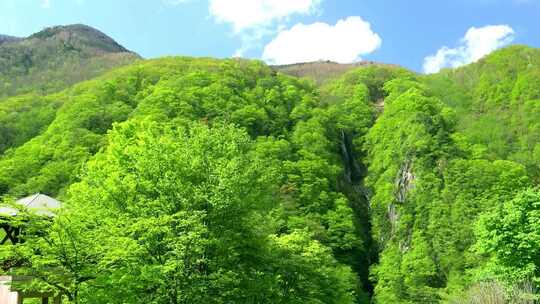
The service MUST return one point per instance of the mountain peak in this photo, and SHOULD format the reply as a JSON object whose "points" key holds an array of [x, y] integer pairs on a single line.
{"points": [[77, 52], [80, 35], [6, 39]]}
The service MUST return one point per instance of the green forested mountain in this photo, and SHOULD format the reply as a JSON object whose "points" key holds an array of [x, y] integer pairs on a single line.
{"points": [[497, 103], [198, 180], [449, 149], [56, 58]]}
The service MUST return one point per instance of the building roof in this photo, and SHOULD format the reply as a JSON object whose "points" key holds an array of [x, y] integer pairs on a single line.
{"points": [[39, 203]]}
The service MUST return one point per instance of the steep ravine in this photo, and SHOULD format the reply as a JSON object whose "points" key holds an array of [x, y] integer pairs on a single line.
{"points": [[351, 185]]}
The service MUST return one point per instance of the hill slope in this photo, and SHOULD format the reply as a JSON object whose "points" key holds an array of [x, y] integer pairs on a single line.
{"points": [[497, 103], [447, 154], [56, 58], [323, 71], [238, 125]]}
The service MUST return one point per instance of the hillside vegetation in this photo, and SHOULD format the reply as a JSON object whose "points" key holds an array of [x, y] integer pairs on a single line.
{"points": [[322, 71], [57, 58], [223, 181]]}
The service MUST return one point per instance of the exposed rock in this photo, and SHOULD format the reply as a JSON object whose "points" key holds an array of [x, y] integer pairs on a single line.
{"points": [[393, 216], [379, 105], [404, 181], [403, 184]]}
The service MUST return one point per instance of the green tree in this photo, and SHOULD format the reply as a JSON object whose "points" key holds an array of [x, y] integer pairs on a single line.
{"points": [[509, 235], [176, 215]]}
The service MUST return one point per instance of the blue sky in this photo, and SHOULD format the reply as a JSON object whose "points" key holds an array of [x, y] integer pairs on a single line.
{"points": [[419, 34]]}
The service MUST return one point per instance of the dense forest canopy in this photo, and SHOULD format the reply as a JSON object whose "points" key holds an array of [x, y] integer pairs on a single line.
{"points": [[198, 180]]}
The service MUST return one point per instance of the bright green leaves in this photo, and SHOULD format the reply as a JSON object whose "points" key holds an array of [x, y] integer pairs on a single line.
{"points": [[261, 102], [408, 140], [431, 184], [50, 161], [373, 77], [412, 125], [390, 287], [180, 90], [230, 183], [170, 213], [310, 265], [341, 230], [497, 103], [407, 150], [420, 273], [221, 187], [24, 117], [511, 236]]}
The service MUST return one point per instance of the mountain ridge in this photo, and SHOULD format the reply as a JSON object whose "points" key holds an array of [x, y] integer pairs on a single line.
{"points": [[68, 33], [8, 39], [56, 58], [323, 70]]}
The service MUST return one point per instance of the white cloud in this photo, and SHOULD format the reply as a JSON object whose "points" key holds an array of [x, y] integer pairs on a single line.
{"points": [[477, 43], [246, 14], [252, 39], [252, 20], [344, 42]]}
